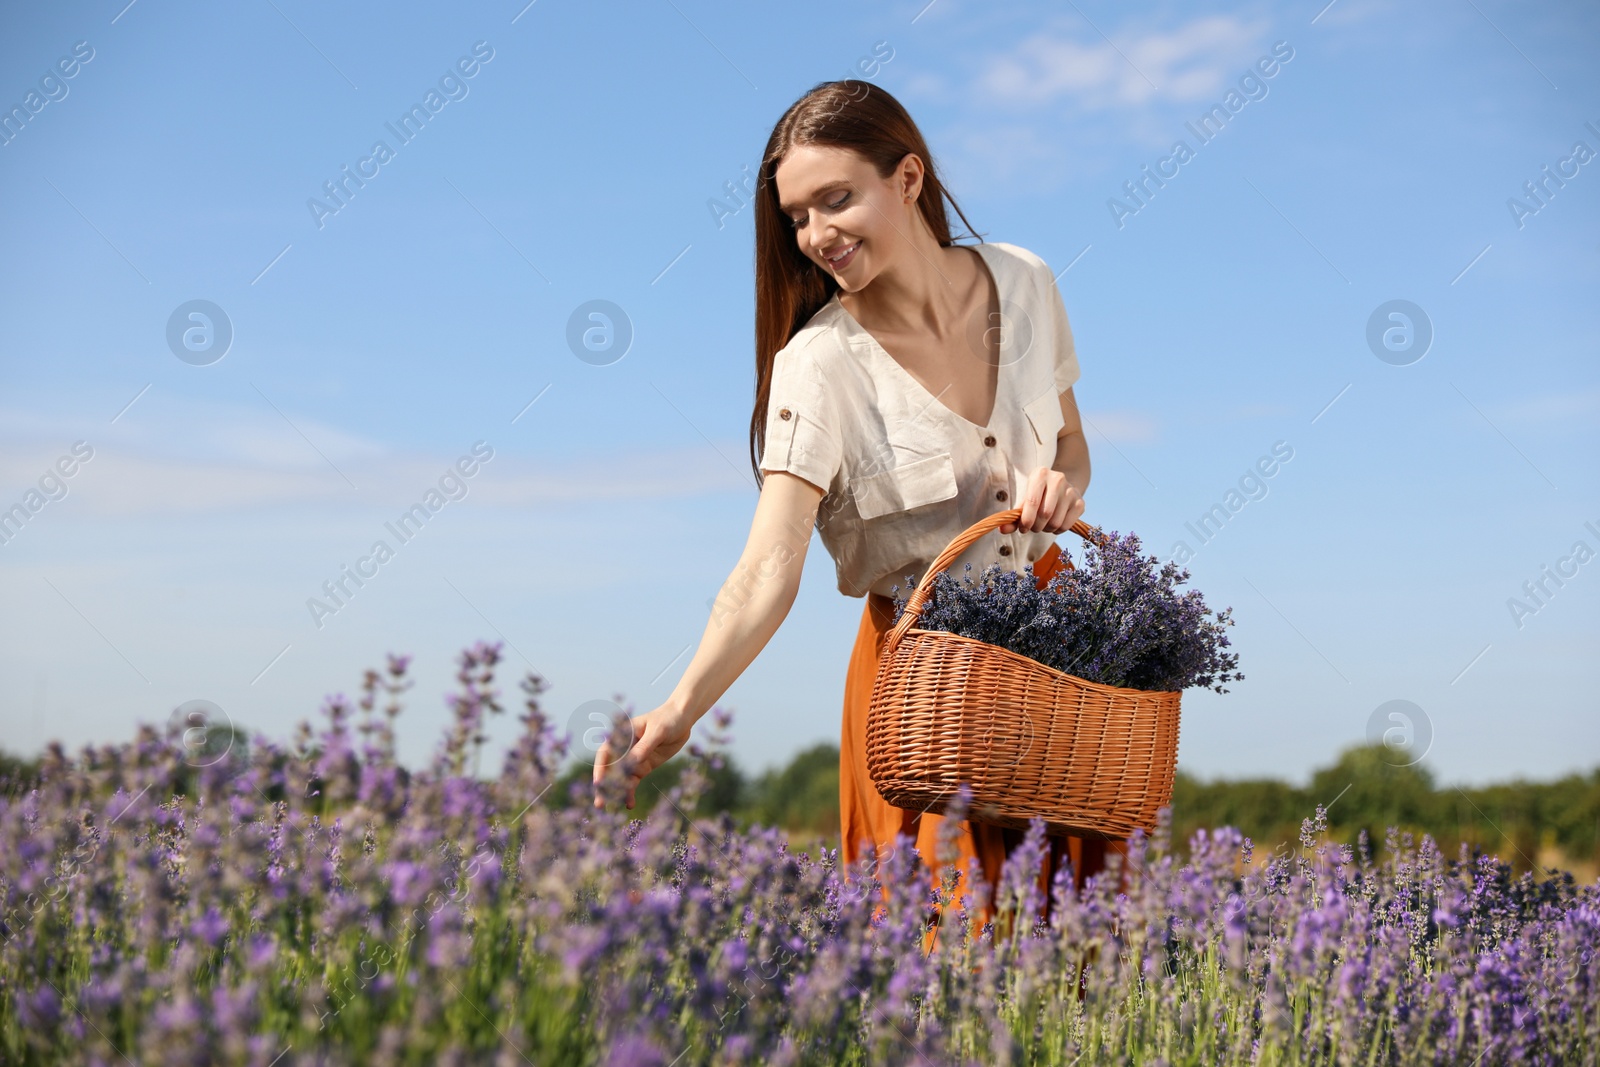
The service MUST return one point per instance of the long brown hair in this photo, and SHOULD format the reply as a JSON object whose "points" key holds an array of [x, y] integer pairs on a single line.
{"points": [[790, 288]]}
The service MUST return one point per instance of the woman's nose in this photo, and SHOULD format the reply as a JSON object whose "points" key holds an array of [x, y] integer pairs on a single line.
{"points": [[823, 237]]}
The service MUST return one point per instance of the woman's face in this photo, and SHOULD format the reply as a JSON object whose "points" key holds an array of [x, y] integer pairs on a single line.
{"points": [[846, 219]]}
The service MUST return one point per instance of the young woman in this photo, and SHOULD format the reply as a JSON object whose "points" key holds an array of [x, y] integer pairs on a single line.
{"points": [[906, 387]]}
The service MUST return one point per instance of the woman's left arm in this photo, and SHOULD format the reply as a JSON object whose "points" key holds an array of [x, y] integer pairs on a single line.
{"points": [[1053, 500]]}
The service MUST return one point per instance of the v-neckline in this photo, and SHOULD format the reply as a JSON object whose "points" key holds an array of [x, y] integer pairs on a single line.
{"points": [[993, 278]]}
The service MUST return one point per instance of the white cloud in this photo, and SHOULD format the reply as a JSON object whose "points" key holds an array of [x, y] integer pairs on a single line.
{"points": [[688, 471], [1072, 62], [1017, 152], [165, 424], [1555, 407], [117, 483], [193, 457], [1124, 426]]}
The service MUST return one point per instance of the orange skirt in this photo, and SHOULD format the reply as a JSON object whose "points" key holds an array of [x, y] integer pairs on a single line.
{"points": [[867, 821]]}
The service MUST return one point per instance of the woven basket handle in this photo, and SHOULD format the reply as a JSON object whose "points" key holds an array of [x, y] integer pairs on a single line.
{"points": [[924, 590]]}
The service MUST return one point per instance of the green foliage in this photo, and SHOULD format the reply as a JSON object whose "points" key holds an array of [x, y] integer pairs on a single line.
{"points": [[727, 789], [802, 796], [1264, 809], [1363, 791], [17, 775]]}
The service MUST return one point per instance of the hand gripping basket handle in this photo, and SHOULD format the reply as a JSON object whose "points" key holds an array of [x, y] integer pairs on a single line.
{"points": [[965, 538]]}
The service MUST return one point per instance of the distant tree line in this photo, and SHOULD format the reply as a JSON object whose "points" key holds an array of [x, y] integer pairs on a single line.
{"points": [[801, 797], [1527, 824]]}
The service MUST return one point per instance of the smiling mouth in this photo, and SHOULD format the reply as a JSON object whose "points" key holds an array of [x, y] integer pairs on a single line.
{"points": [[845, 253]]}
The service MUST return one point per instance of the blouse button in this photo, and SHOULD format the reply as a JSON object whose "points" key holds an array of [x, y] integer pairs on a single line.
{"points": [[1001, 496], [1005, 550], [785, 414], [988, 442]]}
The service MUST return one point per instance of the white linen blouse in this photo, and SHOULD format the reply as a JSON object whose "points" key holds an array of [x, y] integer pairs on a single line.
{"points": [[903, 474]]}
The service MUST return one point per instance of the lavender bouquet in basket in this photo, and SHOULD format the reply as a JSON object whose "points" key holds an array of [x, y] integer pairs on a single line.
{"points": [[1117, 619]]}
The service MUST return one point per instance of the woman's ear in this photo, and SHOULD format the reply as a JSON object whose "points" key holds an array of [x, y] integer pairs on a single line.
{"points": [[909, 177]]}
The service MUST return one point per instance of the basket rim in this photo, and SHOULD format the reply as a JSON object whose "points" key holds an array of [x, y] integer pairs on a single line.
{"points": [[1030, 662]]}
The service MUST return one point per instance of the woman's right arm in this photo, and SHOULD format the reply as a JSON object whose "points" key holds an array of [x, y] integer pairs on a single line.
{"points": [[752, 604]]}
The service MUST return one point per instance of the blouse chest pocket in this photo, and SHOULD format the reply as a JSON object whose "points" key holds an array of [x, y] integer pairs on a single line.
{"points": [[910, 485], [1046, 420]]}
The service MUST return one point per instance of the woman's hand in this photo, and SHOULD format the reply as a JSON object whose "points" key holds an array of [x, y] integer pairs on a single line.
{"points": [[658, 735], [747, 612], [1050, 503]]}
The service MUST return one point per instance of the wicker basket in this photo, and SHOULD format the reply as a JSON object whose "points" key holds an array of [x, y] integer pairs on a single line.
{"points": [[1092, 760]]}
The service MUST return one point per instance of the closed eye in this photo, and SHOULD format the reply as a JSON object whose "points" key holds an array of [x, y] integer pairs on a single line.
{"points": [[835, 206]]}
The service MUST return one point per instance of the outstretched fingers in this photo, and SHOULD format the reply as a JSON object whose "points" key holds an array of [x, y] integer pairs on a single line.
{"points": [[602, 760], [636, 747], [618, 750]]}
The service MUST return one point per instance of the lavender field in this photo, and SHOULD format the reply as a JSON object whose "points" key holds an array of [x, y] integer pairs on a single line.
{"points": [[317, 903]]}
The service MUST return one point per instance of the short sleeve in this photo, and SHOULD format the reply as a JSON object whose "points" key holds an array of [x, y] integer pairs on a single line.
{"points": [[1059, 331], [804, 433]]}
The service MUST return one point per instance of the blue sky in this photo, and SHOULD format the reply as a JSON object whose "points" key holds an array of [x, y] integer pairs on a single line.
{"points": [[373, 347]]}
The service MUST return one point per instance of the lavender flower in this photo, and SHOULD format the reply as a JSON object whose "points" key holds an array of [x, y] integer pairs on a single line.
{"points": [[149, 915], [1117, 620]]}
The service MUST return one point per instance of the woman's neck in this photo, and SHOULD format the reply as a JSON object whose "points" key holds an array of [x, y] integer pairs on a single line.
{"points": [[922, 289]]}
